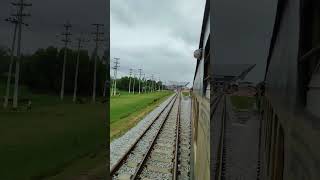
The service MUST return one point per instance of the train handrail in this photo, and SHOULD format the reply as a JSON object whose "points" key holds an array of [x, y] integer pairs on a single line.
{"points": [[309, 54]]}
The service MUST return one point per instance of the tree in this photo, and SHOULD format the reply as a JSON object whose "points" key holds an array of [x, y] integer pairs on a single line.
{"points": [[41, 72]]}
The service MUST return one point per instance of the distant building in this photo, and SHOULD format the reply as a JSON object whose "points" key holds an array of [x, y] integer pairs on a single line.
{"points": [[230, 73], [177, 85]]}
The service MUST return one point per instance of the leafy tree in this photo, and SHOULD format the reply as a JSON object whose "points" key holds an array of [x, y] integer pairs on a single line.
{"points": [[42, 71]]}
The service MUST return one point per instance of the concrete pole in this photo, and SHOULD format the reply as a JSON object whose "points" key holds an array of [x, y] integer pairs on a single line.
{"points": [[116, 66], [97, 39], [140, 71], [134, 81], [66, 40], [63, 72], [114, 83], [76, 73], [150, 85], [130, 74], [6, 98], [143, 84], [94, 88], [107, 71], [17, 72]]}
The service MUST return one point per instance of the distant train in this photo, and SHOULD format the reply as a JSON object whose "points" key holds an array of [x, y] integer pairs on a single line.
{"points": [[201, 105], [290, 126]]}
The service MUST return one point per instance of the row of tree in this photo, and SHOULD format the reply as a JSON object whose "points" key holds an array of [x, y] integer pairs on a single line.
{"points": [[145, 84], [41, 71]]}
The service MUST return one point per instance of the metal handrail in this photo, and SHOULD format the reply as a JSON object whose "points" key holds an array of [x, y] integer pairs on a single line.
{"points": [[309, 54]]}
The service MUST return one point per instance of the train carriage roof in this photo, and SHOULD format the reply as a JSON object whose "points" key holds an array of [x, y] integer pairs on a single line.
{"points": [[203, 29]]}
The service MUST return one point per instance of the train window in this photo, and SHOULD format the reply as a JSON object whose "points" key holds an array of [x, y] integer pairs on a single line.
{"points": [[206, 76], [195, 120]]}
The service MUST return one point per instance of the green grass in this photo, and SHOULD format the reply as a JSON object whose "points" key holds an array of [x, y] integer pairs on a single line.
{"points": [[242, 102], [185, 93], [50, 138], [126, 110], [89, 167]]}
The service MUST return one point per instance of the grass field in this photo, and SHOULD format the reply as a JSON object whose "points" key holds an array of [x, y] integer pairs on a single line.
{"points": [[184, 93], [126, 110], [242, 102], [54, 138]]}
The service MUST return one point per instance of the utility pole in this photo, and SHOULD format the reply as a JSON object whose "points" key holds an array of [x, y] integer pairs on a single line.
{"points": [[106, 59], [112, 81], [152, 83], [134, 80], [130, 74], [15, 22], [115, 68], [159, 83], [66, 41], [144, 83], [140, 73], [20, 15], [80, 40], [97, 40], [162, 85], [149, 84]]}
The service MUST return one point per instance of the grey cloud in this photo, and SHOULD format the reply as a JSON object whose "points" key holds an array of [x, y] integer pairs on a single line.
{"points": [[47, 18], [157, 36]]}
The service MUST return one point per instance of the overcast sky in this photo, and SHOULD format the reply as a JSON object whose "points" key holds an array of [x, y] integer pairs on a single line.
{"points": [[242, 32], [47, 19], [156, 36]]}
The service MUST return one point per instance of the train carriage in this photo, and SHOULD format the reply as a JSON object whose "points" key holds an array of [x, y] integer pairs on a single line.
{"points": [[290, 125], [201, 104]]}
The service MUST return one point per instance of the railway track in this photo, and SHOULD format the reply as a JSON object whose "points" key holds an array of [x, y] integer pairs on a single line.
{"points": [[220, 167], [155, 154]]}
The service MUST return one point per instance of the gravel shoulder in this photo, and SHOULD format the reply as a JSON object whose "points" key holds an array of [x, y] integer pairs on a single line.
{"points": [[119, 146]]}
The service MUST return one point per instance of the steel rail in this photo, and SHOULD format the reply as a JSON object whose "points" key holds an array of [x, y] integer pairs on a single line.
{"points": [[175, 168], [121, 161], [214, 105], [145, 158], [220, 169]]}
